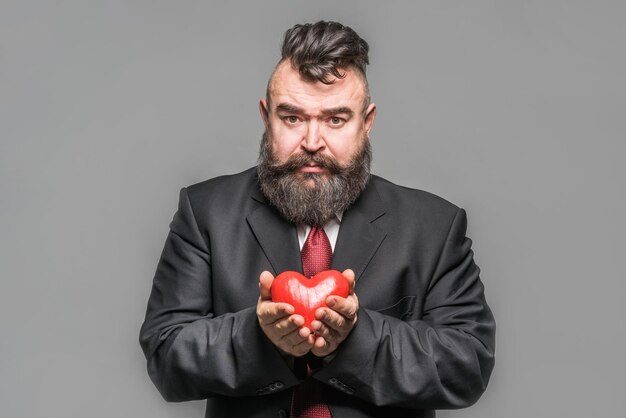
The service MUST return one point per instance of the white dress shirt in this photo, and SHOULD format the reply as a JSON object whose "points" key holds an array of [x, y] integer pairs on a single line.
{"points": [[331, 228]]}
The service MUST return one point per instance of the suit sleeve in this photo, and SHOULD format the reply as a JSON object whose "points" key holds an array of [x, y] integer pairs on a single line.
{"points": [[442, 360], [191, 353]]}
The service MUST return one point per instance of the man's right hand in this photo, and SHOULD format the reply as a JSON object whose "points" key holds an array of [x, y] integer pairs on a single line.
{"points": [[279, 324]]}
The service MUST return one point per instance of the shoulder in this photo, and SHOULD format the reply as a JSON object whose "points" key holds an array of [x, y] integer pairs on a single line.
{"points": [[230, 184], [226, 188], [409, 210], [401, 197], [240, 180]]}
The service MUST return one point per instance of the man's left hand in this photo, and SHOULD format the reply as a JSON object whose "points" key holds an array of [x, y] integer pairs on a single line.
{"points": [[333, 324]]}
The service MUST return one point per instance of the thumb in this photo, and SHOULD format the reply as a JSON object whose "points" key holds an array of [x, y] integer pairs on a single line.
{"points": [[349, 274], [265, 283]]}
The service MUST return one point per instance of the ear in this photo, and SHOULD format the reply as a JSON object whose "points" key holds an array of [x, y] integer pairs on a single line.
{"points": [[370, 115], [265, 112]]}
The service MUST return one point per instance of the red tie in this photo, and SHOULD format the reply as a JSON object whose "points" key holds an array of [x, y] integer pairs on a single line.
{"points": [[307, 400], [317, 253]]}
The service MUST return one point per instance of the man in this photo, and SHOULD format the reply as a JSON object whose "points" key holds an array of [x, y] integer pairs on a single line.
{"points": [[415, 333]]}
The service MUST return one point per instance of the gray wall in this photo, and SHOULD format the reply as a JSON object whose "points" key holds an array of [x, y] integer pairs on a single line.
{"points": [[513, 110]]}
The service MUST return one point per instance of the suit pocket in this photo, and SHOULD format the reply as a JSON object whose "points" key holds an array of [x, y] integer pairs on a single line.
{"points": [[402, 309]]}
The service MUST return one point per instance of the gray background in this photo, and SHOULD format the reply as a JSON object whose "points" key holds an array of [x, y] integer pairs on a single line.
{"points": [[513, 110]]}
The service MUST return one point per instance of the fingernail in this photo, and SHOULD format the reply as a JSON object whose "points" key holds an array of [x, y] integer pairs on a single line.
{"points": [[331, 303]]}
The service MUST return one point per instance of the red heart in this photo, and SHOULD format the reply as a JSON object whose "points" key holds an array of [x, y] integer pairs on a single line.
{"points": [[306, 295]]}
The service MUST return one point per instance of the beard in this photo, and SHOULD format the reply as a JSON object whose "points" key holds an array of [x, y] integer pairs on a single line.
{"points": [[312, 198]]}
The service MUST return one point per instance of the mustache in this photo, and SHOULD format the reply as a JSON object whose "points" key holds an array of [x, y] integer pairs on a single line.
{"points": [[282, 182], [297, 161]]}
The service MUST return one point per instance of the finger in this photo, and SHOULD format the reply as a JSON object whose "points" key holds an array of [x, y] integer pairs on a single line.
{"points": [[270, 312], [330, 318], [321, 344], [265, 283], [294, 337], [288, 325], [347, 307], [305, 332], [325, 317], [322, 330], [302, 347], [349, 274], [316, 325]]}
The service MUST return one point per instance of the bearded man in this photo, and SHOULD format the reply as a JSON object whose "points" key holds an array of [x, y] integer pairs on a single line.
{"points": [[413, 335]]}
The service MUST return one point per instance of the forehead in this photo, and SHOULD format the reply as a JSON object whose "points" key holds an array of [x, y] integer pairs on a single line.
{"points": [[288, 86]]}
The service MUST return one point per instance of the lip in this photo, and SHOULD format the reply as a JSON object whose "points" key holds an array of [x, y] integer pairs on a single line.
{"points": [[312, 168]]}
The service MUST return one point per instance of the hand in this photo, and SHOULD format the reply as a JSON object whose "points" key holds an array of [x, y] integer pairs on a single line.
{"points": [[279, 324], [333, 324]]}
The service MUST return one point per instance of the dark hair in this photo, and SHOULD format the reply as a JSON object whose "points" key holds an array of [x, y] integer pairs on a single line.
{"points": [[320, 49]]}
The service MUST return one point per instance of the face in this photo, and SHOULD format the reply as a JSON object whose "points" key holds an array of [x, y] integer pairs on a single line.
{"points": [[312, 118], [315, 154]]}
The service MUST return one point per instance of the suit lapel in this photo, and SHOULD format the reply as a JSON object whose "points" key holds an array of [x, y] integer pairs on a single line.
{"points": [[277, 237], [361, 232]]}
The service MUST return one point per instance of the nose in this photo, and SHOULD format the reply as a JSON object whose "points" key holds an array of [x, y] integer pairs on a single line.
{"points": [[313, 140]]}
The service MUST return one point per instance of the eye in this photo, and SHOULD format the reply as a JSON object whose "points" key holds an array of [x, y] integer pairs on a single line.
{"points": [[335, 120], [291, 119]]}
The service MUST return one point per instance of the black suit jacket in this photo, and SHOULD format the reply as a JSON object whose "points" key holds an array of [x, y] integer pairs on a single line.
{"points": [[424, 338]]}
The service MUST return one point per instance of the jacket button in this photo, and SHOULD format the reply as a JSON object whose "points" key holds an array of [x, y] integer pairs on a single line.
{"points": [[282, 413], [333, 381], [349, 391], [279, 385]]}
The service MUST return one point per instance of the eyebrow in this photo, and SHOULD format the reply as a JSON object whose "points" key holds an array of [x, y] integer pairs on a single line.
{"points": [[337, 111], [289, 108]]}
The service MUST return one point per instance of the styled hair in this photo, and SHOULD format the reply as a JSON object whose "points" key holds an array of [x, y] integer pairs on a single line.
{"points": [[320, 49]]}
